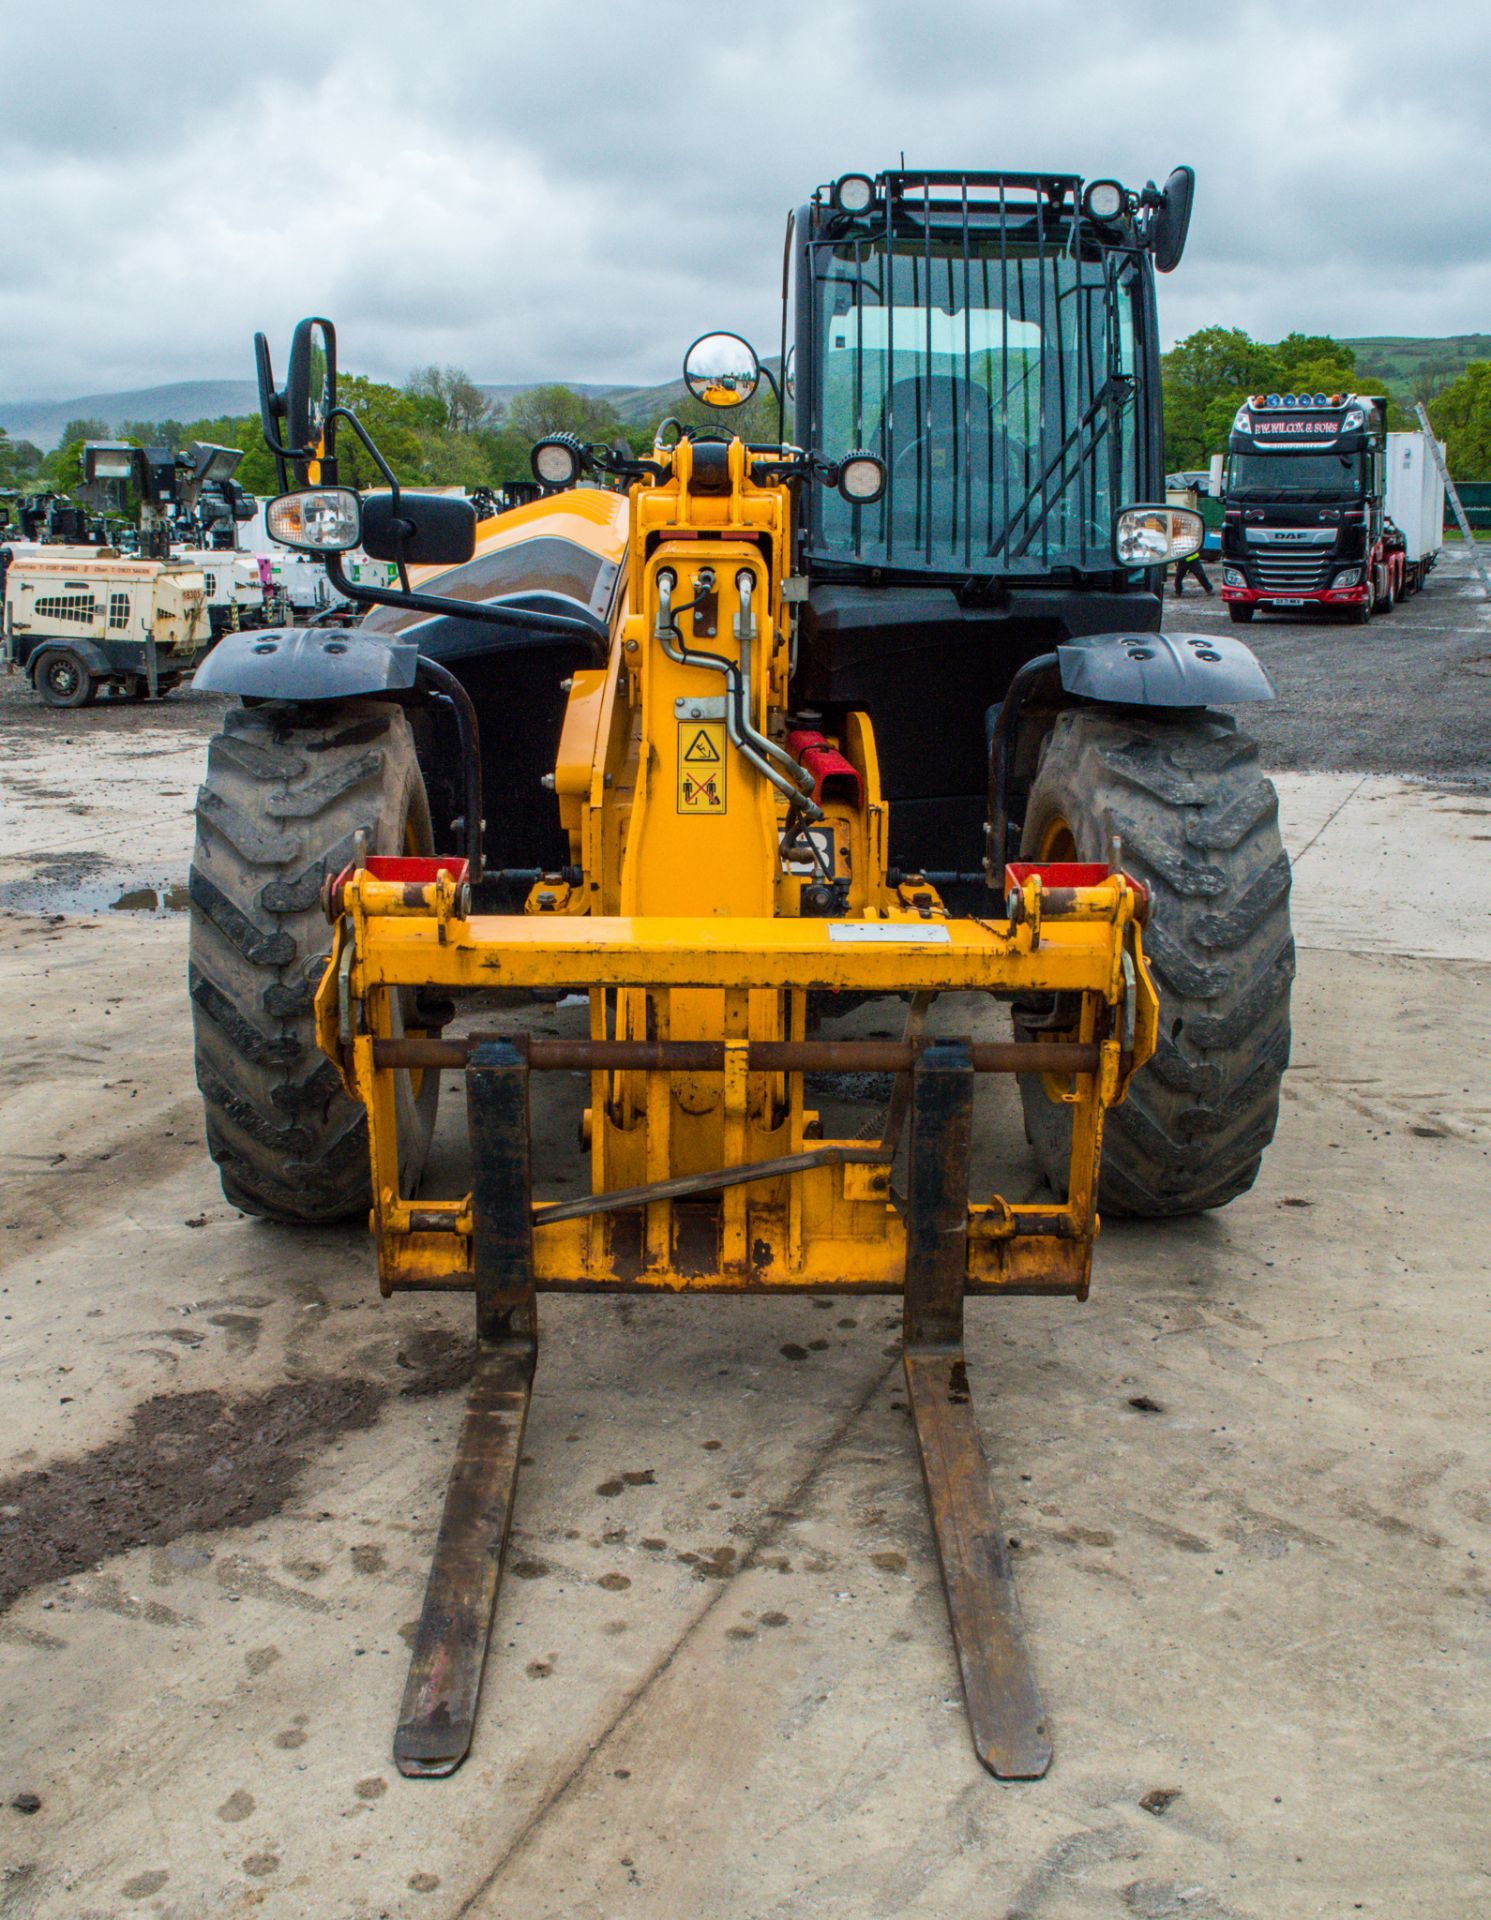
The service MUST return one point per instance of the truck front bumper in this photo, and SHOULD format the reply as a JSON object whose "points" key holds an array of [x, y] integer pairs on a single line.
{"points": [[1324, 596]]}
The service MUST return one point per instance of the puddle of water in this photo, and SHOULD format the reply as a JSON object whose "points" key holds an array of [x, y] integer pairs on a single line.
{"points": [[157, 900], [53, 892]]}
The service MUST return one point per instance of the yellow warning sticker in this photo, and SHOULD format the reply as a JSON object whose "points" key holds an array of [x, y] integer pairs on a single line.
{"points": [[701, 766]]}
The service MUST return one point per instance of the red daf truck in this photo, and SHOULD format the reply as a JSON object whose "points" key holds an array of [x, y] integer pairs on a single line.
{"points": [[1322, 507]]}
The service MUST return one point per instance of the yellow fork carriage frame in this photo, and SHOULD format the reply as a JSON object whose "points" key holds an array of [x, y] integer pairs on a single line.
{"points": [[725, 869]]}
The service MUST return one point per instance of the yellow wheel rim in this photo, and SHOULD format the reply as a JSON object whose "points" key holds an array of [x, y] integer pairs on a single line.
{"points": [[1058, 842]]}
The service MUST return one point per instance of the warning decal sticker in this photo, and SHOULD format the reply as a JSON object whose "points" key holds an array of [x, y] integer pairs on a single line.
{"points": [[701, 766]]}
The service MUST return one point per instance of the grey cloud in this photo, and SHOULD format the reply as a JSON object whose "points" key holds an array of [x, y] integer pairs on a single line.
{"points": [[575, 190]]}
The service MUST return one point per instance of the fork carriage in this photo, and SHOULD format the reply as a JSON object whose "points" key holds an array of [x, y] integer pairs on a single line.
{"points": [[776, 1206]]}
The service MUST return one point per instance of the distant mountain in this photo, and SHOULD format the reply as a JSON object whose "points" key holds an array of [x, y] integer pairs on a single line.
{"points": [[42, 421]]}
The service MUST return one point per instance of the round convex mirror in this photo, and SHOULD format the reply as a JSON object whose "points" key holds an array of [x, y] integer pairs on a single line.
{"points": [[722, 370]]}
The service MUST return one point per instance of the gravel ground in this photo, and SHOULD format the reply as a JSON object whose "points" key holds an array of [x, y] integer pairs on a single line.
{"points": [[1245, 1484], [1410, 694]]}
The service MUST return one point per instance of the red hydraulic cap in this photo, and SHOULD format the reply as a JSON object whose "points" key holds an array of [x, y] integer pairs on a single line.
{"points": [[833, 776]]}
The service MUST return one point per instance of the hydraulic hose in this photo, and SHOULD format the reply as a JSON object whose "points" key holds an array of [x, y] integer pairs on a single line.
{"points": [[753, 746], [447, 688]]}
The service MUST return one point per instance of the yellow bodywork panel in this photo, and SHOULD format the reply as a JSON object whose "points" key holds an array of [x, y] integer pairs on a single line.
{"points": [[717, 890]]}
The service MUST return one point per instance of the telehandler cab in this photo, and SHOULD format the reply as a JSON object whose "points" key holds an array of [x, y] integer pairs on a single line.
{"points": [[882, 707]]}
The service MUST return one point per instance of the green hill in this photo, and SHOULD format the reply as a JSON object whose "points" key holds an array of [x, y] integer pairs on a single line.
{"points": [[1411, 369]]}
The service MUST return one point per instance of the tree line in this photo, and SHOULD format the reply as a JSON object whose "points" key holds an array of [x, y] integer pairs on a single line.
{"points": [[440, 429], [1208, 375]]}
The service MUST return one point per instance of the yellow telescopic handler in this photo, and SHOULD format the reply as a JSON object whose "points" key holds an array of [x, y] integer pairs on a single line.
{"points": [[650, 740]]}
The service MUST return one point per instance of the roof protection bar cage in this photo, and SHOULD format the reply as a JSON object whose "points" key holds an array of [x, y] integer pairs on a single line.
{"points": [[1052, 443]]}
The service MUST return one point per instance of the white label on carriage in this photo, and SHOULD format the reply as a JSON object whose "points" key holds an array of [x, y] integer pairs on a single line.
{"points": [[883, 932]]}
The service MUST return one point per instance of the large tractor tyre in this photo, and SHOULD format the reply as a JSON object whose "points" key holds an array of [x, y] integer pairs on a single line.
{"points": [[1199, 825], [286, 792], [64, 679]]}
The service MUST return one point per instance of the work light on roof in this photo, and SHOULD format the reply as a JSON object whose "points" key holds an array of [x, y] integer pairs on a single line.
{"points": [[1272, 400], [853, 193], [1104, 199]]}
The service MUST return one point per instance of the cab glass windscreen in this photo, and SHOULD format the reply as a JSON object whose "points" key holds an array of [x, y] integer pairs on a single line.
{"points": [[995, 382]]}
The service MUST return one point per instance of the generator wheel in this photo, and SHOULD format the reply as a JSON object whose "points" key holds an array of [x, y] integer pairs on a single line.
{"points": [[1199, 826], [286, 791], [64, 679]]}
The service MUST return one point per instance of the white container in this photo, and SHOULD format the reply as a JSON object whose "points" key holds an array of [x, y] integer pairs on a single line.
{"points": [[1415, 494]]}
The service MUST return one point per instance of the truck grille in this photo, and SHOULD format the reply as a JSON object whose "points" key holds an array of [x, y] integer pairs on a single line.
{"points": [[1292, 572]]}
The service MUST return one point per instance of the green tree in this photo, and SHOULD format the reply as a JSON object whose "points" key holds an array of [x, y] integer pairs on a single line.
{"points": [[395, 419], [559, 409], [462, 406], [154, 433], [1461, 416], [1208, 375]]}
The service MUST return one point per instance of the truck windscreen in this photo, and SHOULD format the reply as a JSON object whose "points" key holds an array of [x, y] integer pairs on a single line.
{"points": [[1278, 476], [997, 384]]}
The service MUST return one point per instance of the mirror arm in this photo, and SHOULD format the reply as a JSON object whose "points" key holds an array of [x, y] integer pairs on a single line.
{"points": [[391, 479], [771, 380]]}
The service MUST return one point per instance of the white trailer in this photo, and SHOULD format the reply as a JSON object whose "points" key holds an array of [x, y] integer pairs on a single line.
{"points": [[1414, 502]]}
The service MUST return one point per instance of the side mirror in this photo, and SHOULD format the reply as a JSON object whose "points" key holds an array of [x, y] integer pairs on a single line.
{"points": [[310, 387], [423, 529], [722, 370], [1170, 221]]}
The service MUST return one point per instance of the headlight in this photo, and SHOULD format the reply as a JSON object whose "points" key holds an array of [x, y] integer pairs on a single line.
{"points": [[861, 478], [557, 460], [1232, 578], [1349, 577], [1151, 536], [316, 520]]}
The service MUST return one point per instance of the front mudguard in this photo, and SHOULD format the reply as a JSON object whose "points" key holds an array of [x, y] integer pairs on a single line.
{"points": [[1162, 670], [308, 664]]}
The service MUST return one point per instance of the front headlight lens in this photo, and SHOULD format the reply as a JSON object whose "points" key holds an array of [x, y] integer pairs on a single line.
{"points": [[316, 520], [1232, 578], [1152, 536], [1349, 577]]}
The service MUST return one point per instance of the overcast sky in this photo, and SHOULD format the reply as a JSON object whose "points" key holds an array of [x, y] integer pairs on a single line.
{"points": [[575, 188]]}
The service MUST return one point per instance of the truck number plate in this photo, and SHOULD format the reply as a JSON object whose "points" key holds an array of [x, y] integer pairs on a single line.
{"points": [[1288, 603]]}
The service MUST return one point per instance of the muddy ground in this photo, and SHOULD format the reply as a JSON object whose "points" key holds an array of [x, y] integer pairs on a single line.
{"points": [[1248, 1478]]}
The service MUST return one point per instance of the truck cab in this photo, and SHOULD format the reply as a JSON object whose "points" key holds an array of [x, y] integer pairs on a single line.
{"points": [[1304, 506]]}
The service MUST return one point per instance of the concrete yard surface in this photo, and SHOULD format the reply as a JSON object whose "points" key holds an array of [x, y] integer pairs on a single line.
{"points": [[1248, 1481]]}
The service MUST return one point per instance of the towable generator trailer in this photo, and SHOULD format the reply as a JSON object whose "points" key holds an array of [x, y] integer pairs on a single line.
{"points": [[1322, 507], [725, 736], [76, 624]]}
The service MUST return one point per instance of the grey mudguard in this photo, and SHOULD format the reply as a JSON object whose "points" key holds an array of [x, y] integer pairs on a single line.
{"points": [[87, 650], [308, 663], [1160, 670]]}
